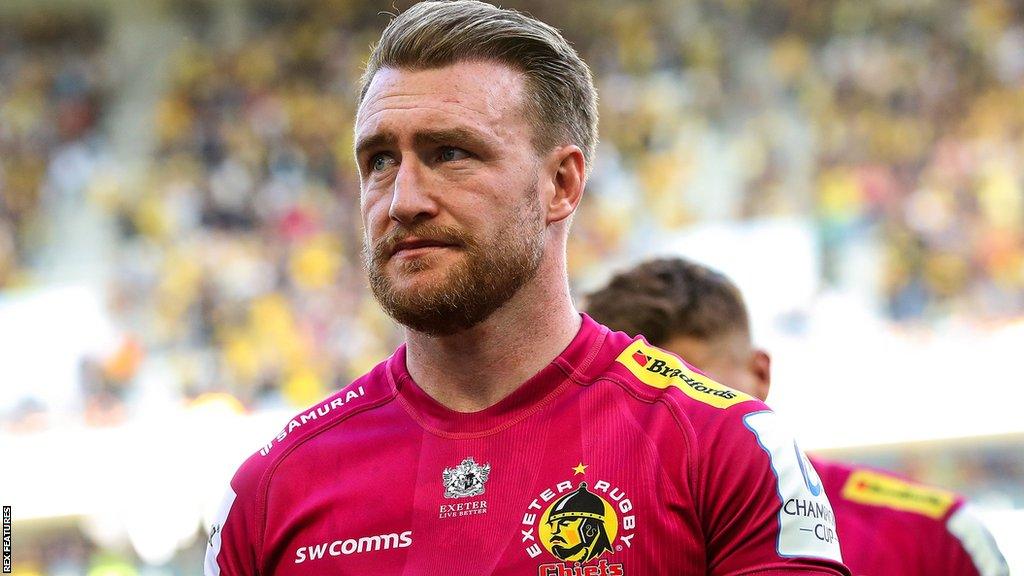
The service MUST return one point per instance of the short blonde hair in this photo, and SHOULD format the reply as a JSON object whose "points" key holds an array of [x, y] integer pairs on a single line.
{"points": [[561, 101]]}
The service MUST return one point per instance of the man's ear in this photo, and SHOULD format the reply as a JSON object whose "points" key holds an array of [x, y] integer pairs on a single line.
{"points": [[761, 368], [567, 171]]}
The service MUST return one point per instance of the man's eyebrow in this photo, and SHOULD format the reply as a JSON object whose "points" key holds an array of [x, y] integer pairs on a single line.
{"points": [[451, 136], [448, 136], [378, 140]]}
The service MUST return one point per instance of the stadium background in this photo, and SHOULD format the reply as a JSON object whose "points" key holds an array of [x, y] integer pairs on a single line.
{"points": [[179, 238]]}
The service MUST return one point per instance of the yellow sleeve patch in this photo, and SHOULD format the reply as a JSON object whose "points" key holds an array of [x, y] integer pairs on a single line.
{"points": [[875, 489], [660, 369]]}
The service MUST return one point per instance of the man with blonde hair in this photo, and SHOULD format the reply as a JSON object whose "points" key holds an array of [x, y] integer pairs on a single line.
{"points": [[510, 434]]}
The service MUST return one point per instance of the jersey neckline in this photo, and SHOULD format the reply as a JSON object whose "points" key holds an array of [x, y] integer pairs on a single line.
{"points": [[576, 361]]}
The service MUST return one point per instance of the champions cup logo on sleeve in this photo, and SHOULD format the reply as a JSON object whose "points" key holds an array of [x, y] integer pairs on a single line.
{"points": [[580, 527], [807, 471], [807, 525], [660, 369]]}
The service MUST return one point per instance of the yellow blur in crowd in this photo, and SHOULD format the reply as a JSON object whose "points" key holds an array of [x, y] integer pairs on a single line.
{"points": [[238, 247]]}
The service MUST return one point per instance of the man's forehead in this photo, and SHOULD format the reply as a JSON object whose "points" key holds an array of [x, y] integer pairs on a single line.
{"points": [[477, 91]]}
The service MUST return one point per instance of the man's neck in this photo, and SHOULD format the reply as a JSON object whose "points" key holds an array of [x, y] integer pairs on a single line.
{"points": [[476, 368]]}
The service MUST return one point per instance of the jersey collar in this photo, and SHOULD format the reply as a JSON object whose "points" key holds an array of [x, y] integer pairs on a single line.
{"points": [[576, 362]]}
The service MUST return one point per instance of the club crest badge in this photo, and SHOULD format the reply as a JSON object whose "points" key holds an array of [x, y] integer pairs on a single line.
{"points": [[465, 480], [580, 527]]}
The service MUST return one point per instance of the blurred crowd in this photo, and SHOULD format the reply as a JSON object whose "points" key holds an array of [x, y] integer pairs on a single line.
{"points": [[52, 100], [58, 549], [241, 248], [896, 129], [898, 126]]}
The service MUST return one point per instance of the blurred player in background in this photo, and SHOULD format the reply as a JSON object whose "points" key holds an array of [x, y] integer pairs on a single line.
{"points": [[510, 434], [887, 525]]}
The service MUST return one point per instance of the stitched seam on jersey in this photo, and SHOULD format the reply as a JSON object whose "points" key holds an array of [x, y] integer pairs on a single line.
{"points": [[578, 374], [685, 428], [694, 463], [541, 404], [670, 475], [672, 402], [263, 488], [674, 408]]}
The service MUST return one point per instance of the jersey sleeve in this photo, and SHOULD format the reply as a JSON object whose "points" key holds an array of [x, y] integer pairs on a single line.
{"points": [[971, 549], [232, 544], [762, 504]]}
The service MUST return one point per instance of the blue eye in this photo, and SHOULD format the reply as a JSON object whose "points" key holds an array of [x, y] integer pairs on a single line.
{"points": [[381, 161], [450, 153]]}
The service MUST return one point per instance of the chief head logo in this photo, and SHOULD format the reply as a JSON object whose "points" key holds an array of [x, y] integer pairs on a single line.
{"points": [[579, 526], [641, 358], [465, 480]]}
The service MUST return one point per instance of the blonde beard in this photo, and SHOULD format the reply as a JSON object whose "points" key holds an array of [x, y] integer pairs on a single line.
{"points": [[487, 277]]}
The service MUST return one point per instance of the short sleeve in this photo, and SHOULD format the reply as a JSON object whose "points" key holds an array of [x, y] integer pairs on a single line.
{"points": [[763, 507], [231, 546], [972, 549]]}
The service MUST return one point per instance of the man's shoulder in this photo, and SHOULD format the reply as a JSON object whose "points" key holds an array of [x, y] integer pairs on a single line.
{"points": [[367, 392], [879, 492], [944, 526], [655, 375]]}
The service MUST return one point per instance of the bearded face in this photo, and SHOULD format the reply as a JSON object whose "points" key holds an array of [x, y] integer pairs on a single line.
{"points": [[463, 288], [450, 192]]}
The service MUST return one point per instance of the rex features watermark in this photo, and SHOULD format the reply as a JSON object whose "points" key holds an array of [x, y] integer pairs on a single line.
{"points": [[7, 540]]}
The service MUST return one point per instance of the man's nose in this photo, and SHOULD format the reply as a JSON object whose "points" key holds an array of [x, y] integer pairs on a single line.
{"points": [[412, 200]]}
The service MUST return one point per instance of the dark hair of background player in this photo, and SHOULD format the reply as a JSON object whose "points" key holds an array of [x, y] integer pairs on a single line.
{"points": [[670, 297]]}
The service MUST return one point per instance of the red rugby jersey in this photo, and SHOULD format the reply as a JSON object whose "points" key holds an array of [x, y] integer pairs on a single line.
{"points": [[891, 526], [615, 459]]}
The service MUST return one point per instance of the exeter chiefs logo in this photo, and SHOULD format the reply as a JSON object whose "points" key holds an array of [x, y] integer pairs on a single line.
{"points": [[584, 527], [579, 526], [465, 480]]}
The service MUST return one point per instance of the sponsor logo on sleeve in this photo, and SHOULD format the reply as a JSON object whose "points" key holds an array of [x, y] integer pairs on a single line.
{"points": [[213, 543], [660, 369], [318, 412], [467, 480], [876, 489], [576, 529], [349, 546], [807, 525]]}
